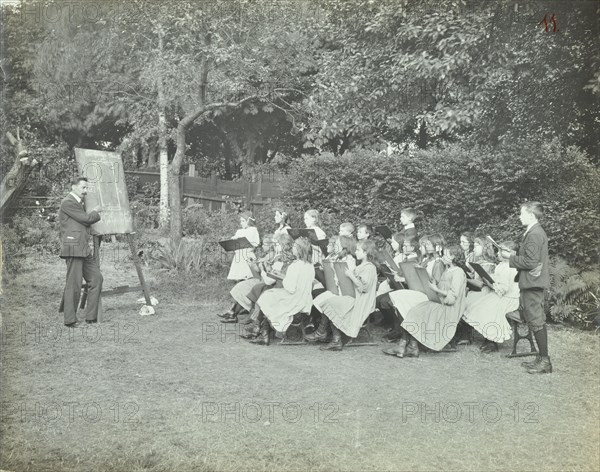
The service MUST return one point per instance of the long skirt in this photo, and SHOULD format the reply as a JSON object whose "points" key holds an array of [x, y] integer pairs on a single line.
{"points": [[406, 300], [241, 290], [432, 324], [487, 314]]}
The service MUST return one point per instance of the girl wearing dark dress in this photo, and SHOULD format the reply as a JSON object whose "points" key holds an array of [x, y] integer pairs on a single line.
{"points": [[430, 323]]}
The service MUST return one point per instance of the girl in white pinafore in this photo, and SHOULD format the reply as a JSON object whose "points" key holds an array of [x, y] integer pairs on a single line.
{"points": [[487, 313], [283, 222], [240, 269], [279, 305], [483, 254], [240, 291], [312, 221]]}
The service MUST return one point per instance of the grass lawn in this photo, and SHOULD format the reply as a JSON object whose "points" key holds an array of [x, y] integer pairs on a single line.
{"points": [[179, 391]]}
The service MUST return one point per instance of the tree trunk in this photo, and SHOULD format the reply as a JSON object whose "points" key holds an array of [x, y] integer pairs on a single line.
{"points": [[16, 178], [176, 230], [175, 165], [163, 216], [151, 153]]}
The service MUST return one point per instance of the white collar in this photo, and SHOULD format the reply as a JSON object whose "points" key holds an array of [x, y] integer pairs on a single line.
{"points": [[409, 225], [76, 197]]}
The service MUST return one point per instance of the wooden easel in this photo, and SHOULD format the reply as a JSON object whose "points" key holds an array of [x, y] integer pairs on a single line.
{"points": [[107, 186], [121, 289]]}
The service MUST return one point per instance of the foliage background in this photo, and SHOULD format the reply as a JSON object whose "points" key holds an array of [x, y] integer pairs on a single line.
{"points": [[456, 189]]}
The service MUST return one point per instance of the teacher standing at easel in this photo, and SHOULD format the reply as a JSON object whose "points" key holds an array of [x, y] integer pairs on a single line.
{"points": [[75, 225]]}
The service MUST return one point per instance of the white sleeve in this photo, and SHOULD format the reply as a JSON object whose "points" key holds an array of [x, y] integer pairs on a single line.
{"points": [[320, 233], [252, 236], [290, 281]]}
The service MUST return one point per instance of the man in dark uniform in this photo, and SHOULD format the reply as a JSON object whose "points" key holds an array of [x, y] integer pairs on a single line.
{"points": [[74, 234], [533, 277]]}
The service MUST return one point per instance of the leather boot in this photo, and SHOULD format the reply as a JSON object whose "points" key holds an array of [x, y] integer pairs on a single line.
{"points": [[320, 335], [412, 350], [263, 335], [395, 333], [392, 336], [489, 346], [532, 364], [251, 331], [543, 367], [336, 341], [231, 319], [396, 350]]}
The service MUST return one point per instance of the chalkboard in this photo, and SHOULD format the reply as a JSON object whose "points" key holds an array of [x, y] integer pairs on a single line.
{"points": [[106, 188]]}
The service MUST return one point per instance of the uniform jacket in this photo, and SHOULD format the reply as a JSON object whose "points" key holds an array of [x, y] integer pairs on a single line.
{"points": [[75, 227], [532, 260]]}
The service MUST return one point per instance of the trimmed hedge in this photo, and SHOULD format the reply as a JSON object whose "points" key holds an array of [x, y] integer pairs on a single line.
{"points": [[457, 189]]}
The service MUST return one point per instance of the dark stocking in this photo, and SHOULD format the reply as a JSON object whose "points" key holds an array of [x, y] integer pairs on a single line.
{"points": [[541, 337]]}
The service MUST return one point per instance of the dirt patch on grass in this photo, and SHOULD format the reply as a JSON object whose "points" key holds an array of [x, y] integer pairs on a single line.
{"points": [[180, 391]]}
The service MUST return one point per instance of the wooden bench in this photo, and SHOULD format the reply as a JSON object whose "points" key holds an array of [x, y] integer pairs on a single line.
{"points": [[520, 331], [294, 335]]}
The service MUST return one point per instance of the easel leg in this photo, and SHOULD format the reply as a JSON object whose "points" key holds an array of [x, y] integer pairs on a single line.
{"points": [[97, 241], [138, 268]]}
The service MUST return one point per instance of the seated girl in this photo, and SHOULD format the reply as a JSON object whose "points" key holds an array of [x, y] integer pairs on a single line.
{"points": [[311, 221], [282, 221], [432, 250], [347, 314], [347, 229], [397, 303], [279, 305], [331, 247], [397, 243], [431, 323], [484, 255], [240, 270], [364, 231], [467, 245], [284, 244], [487, 313], [344, 251], [241, 289]]}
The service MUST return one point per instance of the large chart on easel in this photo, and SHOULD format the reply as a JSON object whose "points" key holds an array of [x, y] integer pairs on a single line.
{"points": [[107, 188]]}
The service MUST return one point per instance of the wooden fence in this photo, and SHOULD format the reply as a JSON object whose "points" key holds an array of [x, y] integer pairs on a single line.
{"points": [[216, 194]]}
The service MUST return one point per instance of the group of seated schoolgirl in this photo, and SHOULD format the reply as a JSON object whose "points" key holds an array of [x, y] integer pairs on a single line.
{"points": [[283, 279]]}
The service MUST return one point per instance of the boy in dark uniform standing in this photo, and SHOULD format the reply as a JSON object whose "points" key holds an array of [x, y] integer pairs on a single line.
{"points": [[533, 277]]}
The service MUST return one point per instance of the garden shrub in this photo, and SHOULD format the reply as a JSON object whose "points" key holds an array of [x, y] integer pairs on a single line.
{"points": [[12, 253], [26, 236], [199, 256], [456, 189], [145, 216], [213, 225], [37, 234], [574, 296]]}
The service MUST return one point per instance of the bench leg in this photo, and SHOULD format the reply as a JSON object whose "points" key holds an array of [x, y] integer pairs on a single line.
{"points": [[517, 337], [301, 326]]}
